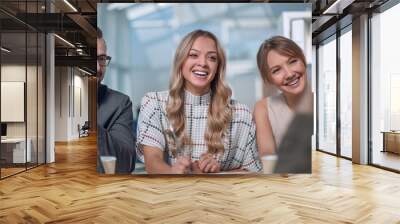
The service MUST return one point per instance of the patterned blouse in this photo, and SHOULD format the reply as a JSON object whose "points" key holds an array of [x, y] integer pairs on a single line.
{"points": [[240, 140]]}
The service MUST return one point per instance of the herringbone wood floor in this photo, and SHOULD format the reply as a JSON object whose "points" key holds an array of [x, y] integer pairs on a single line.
{"points": [[70, 191]]}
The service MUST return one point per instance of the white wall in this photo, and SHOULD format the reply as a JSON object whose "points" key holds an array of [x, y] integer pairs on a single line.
{"points": [[71, 94], [16, 73], [61, 103], [81, 104]]}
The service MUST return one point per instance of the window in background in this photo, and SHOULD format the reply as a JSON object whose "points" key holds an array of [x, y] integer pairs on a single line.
{"points": [[327, 96], [394, 102], [145, 40], [297, 32], [346, 92], [385, 84]]}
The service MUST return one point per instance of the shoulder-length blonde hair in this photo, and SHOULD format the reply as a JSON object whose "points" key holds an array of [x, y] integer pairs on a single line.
{"points": [[219, 111], [283, 46]]}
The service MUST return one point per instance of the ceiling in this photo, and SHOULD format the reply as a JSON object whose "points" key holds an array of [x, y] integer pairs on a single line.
{"points": [[331, 15], [74, 21]]}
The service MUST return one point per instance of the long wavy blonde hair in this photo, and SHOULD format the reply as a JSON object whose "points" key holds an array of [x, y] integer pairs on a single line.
{"points": [[219, 111]]}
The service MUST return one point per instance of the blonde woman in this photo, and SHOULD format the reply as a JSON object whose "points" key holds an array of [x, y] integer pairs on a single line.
{"points": [[195, 126], [282, 64]]}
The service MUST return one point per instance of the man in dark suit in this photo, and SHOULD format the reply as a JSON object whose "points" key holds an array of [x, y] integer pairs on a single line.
{"points": [[114, 119]]}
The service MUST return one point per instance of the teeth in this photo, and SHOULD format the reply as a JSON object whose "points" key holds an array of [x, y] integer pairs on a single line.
{"points": [[200, 73], [294, 82]]}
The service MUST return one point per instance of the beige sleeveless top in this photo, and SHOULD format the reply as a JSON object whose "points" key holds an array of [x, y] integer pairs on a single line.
{"points": [[280, 116]]}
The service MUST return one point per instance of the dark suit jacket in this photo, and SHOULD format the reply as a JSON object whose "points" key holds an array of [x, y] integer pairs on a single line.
{"points": [[114, 127]]}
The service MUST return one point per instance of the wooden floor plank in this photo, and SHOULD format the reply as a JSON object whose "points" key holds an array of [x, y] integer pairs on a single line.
{"points": [[70, 191]]}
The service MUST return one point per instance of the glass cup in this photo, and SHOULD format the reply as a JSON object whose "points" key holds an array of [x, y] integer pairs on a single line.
{"points": [[109, 163], [181, 150], [269, 162], [186, 153]]}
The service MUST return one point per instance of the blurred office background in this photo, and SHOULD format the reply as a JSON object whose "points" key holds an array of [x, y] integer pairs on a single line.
{"points": [[142, 39]]}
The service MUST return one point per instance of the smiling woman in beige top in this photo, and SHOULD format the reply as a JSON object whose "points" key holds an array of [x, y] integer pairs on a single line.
{"points": [[282, 64]]}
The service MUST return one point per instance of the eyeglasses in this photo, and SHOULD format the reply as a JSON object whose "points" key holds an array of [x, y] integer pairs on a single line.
{"points": [[103, 60]]}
